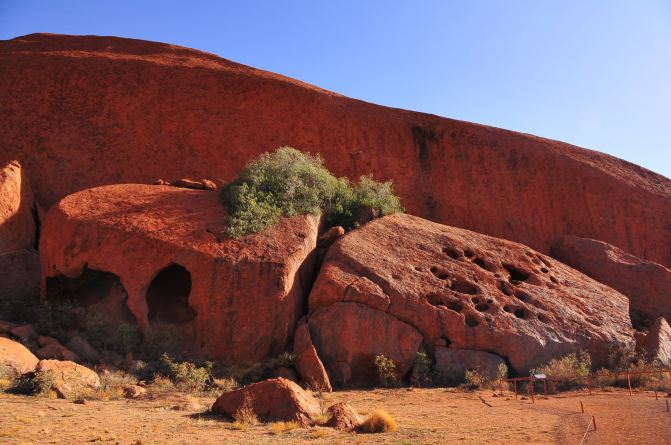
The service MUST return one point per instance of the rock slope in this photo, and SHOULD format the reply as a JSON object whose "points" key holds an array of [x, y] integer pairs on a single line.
{"points": [[83, 111], [400, 283], [647, 284]]}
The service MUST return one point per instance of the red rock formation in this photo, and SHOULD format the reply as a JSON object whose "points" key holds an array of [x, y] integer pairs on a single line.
{"points": [[16, 357], [155, 255], [17, 209], [647, 284], [271, 400], [455, 362], [454, 287], [656, 344], [308, 363], [85, 111]]}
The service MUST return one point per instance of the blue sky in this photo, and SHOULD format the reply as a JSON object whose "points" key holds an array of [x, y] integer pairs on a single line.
{"points": [[592, 73]]}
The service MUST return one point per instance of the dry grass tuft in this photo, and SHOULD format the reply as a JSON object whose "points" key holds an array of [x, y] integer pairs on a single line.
{"points": [[379, 421], [283, 427], [245, 414]]}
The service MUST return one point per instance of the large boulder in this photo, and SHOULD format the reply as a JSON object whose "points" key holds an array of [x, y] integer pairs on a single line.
{"points": [[70, 379], [16, 357], [656, 344], [400, 281], [74, 109], [308, 364], [18, 212], [647, 284], [271, 400], [155, 255]]}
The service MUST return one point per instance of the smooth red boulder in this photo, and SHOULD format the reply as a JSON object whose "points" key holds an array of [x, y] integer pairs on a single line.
{"points": [[307, 362], [271, 400], [15, 356], [83, 111], [471, 291], [647, 284], [156, 256], [18, 213]]}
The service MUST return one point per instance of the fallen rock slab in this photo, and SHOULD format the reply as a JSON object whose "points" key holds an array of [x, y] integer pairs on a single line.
{"points": [[401, 282], [16, 357], [647, 284], [271, 400], [308, 364]]}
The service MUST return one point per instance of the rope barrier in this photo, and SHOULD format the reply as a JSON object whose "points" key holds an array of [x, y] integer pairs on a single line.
{"points": [[592, 421]]}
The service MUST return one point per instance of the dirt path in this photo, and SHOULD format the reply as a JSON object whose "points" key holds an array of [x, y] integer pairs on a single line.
{"points": [[425, 416]]}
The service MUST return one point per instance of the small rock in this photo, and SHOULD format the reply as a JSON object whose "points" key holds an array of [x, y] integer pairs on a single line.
{"points": [[80, 401], [44, 340], [7, 326], [57, 351], [134, 391], [26, 333], [83, 349], [342, 416]]}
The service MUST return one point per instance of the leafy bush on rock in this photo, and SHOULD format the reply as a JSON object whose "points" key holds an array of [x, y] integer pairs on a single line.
{"points": [[288, 182]]}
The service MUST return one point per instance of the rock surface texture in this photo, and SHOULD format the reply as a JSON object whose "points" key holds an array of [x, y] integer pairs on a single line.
{"points": [[154, 255], [401, 282], [74, 112], [17, 357], [271, 400], [18, 213], [647, 284], [20, 272], [342, 416]]}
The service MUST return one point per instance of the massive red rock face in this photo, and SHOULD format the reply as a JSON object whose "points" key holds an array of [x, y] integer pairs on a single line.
{"points": [[647, 284], [85, 111], [154, 255], [401, 282]]}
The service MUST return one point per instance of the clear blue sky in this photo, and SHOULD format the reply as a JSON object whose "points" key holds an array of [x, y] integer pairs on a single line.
{"points": [[593, 73]]}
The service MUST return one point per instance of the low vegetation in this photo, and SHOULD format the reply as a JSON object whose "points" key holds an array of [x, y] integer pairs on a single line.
{"points": [[288, 182], [386, 370], [379, 421]]}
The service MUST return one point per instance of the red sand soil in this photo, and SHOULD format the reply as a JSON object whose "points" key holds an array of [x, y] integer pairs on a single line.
{"points": [[425, 416]]}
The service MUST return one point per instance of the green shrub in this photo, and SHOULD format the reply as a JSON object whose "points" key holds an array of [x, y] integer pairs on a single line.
{"points": [[567, 372], [103, 334], [186, 375], [37, 383], [421, 370], [54, 318], [386, 370], [286, 360], [288, 183]]}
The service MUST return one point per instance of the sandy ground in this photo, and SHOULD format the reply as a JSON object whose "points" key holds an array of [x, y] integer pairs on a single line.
{"points": [[425, 416]]}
